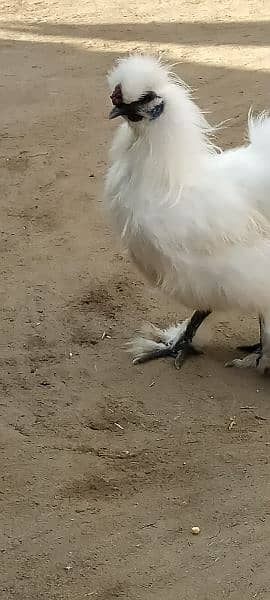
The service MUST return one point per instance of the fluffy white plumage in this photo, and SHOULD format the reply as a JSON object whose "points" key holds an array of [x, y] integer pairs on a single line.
{"points": [[196, 221]]}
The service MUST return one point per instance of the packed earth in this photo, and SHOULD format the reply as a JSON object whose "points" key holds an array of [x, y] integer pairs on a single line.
{"points": [[106, 467]]}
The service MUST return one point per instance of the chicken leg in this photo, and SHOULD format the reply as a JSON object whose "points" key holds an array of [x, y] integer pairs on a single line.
{"points": [[250, 348], [175, 341], [259, 354]]}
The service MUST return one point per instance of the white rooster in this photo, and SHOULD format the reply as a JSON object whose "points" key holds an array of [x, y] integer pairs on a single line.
{"points": [[196, 222]]}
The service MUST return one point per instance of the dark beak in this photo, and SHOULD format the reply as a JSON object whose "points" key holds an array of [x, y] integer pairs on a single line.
{"points": [[117, 111]]}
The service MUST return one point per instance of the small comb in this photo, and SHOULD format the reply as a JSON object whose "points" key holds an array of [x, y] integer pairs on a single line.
{"points": [[117, 97]]}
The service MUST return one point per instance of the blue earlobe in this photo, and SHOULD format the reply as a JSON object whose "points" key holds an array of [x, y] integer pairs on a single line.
{"points": [[156, 111]]}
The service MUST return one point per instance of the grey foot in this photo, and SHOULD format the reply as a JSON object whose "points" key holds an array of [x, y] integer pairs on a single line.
{"points": [[255, 360], [181, 355], [158, 343]]}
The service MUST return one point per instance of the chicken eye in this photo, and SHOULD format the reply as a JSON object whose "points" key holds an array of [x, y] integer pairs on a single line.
{"points": [[156, 111]]}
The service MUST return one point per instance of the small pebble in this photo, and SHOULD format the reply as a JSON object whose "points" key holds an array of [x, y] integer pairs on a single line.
{"points": [[195, 530]]}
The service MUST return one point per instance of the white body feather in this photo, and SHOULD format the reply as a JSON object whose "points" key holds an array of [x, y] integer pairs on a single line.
{"points": [[196, 222]]}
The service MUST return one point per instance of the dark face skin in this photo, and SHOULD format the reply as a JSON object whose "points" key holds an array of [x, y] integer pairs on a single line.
{"points": [[132, 111]]}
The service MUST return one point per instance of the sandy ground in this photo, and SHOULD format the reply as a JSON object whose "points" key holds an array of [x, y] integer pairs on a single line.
{"points": [[105, 467]]}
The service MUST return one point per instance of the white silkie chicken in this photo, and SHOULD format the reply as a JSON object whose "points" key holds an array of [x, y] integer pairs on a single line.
{"points": [[196, 222]]}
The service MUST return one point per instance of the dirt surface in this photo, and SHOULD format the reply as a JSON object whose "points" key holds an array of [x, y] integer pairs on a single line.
{"points": [[105, 467]]}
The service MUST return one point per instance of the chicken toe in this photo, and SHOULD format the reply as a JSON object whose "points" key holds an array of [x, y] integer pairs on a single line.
{"points": [[187, 350]]}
